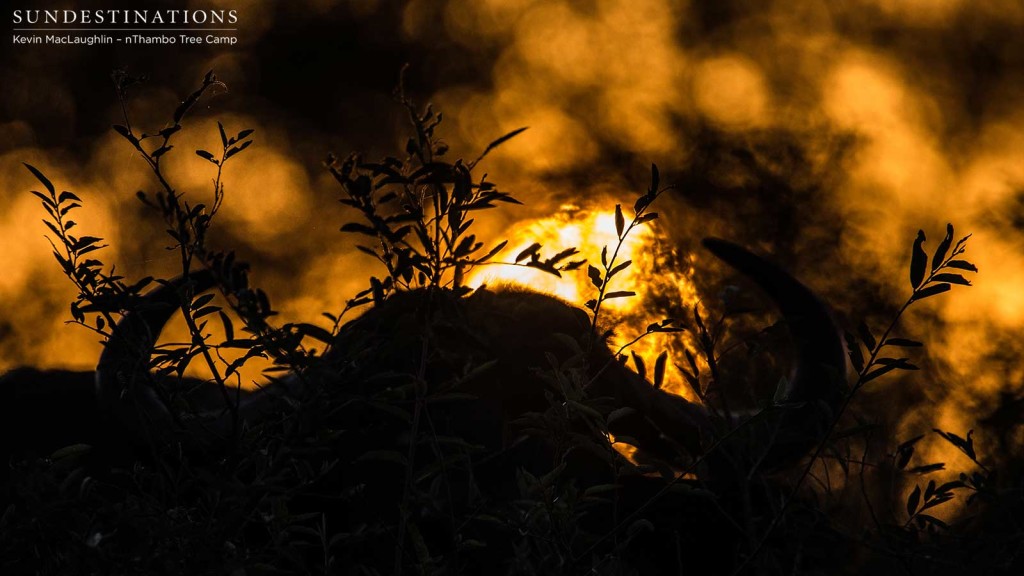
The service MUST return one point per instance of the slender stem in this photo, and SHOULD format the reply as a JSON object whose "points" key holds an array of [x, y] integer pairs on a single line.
{"points": [[604, 285], [187, 252], [610, 265], [861, 381]]}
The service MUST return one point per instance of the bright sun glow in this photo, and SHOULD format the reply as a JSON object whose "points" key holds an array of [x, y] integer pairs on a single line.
{"points": [[648, 276]]}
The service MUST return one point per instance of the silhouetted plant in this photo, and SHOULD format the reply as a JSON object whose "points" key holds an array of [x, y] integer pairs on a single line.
{"points": [[245, 511], [601, 279], [925, 283], [419, 210]]}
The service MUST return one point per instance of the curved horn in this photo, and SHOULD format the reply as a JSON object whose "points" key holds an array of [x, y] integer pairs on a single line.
{"points": [[816, 381], [124, 386]]}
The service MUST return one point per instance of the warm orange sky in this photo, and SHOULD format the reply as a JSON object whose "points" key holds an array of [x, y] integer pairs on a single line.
{"points": [[906, 114]]}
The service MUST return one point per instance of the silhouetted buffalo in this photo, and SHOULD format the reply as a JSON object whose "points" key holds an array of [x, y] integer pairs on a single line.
{"points": [[512, 327], [514, 330], [483, 369]]}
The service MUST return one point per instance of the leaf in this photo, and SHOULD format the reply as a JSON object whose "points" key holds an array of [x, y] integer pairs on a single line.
{"points": [[620, 413], [66, 196], [620, 268], [913, 500], [878, 372], [930, 291], [52, 228], [910, 443], [201, 301], [39, 176], [544, 267], [223, 136], [927, 468], [619, 294], [76, 313], [497, 143], [655, 179], [85, 241], [240, 344], [47, 201], [952, 279], [490, 254], [659, 369], [693, 362], [169, 131], [206, 311], [905, 451], [205, 155], [965, 445], [949, 487], [961, 265], [358, 228], [316, 332], [466, 246], [161, 151], [901, 363], [557, 258], [940, 252], [902, 342], [641, 203], [691, 380], [936, 501], [600, 489], [237, 149], [125, 132], [595, 276], [641, 368], [377, 291], [620, 221], [866, 336], [918, 261], [529, 251], [229, 327]]}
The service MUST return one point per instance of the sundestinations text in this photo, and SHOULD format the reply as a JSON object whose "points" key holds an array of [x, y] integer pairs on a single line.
{"points": [[126, 17]]}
